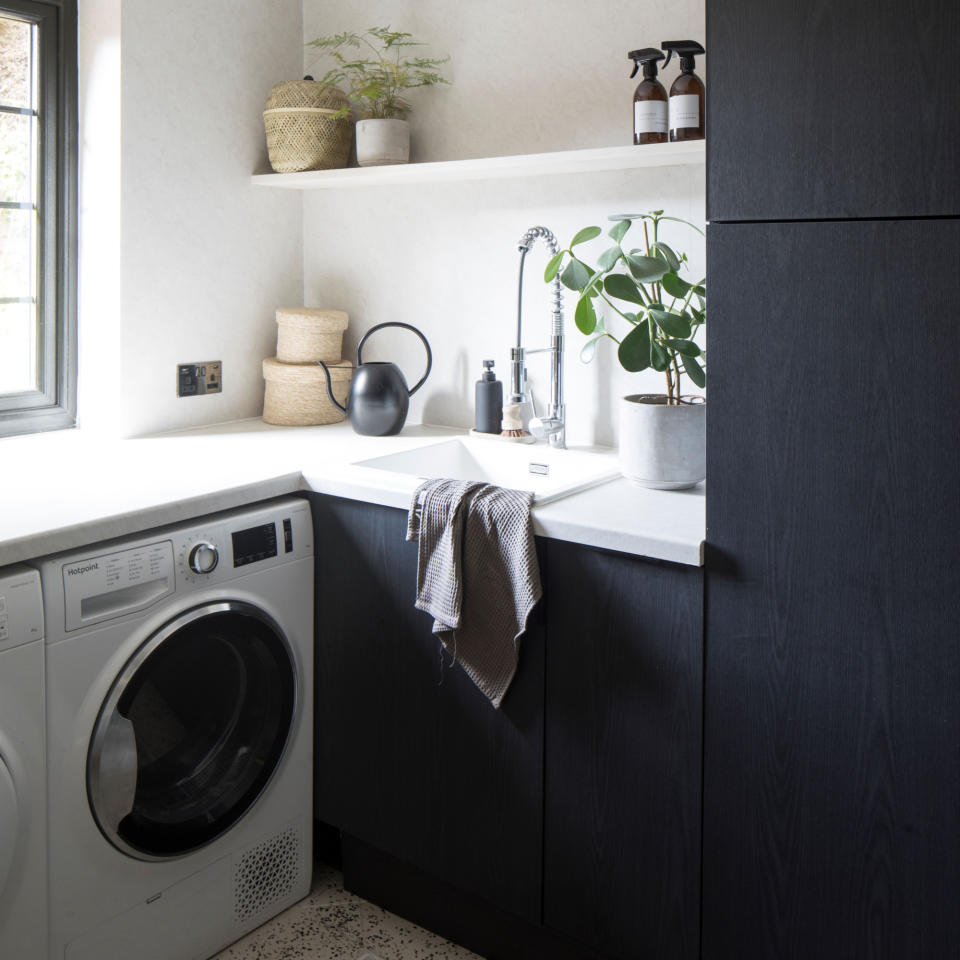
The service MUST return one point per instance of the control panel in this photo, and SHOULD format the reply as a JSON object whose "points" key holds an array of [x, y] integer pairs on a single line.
{"points": [[115, 584], [21, 608], [221, 551], [105, 584]]}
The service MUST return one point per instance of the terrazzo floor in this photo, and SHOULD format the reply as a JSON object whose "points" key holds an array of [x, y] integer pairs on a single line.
{"points": [[332, 924]]}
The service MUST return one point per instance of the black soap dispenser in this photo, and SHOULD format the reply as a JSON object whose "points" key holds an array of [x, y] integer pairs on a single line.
{"points": [[649, 99], [489, 401], [686, 93]]}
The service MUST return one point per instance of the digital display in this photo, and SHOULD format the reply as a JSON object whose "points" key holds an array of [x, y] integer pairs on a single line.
{"points": [[253, 544]]}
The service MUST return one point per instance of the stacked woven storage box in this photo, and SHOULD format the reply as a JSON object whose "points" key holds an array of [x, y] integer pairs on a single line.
{"points": [[296, 388]]}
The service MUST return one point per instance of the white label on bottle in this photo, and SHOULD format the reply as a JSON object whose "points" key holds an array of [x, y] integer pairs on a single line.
{"points": [[649, 116], [684, 111]]}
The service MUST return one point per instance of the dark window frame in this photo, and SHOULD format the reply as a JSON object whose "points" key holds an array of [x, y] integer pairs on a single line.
{"points": [[54, 405]]}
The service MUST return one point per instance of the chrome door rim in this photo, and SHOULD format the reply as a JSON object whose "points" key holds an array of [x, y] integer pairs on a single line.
{"points": [[118, 688]]}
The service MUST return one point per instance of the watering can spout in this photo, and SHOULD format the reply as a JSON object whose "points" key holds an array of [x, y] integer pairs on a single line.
{"points": [[333, 399]]}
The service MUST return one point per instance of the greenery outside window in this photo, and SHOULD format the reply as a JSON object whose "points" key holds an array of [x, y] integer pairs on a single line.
{"points": [[38, 221]]}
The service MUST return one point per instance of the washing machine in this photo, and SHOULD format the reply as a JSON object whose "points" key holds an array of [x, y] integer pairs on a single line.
{"points": [[23, 786], [179, 734]]}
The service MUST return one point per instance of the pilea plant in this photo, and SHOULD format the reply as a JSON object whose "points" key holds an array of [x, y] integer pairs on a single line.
{"points": [[376, 84], [665, 311]]}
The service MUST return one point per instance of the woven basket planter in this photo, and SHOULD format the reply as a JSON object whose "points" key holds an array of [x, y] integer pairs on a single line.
{"points": [[308, 334], [296, 393], [303, 132]]}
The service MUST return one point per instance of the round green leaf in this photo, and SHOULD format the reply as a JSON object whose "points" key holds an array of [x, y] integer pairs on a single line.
{"points": [[576, 276], [585, 317], [659, 358], [672, 324], [667, 253], [589, 350], [647, 269], [686, 348], [695, 372], [618, 230], [619, 285], [674, 285], [587, 233], [608, 258], [553, 266], [634, 350]]}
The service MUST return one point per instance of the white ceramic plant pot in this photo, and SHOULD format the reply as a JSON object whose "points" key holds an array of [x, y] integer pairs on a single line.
{"points": [[661, 446], [381, 142]]}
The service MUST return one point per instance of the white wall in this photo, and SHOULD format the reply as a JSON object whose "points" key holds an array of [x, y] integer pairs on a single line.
{"points": [[100, 335], [525, 78], [204, 258]]}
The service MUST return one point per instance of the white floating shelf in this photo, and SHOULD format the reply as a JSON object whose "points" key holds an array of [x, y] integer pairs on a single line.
{"points": [[691, 152]]}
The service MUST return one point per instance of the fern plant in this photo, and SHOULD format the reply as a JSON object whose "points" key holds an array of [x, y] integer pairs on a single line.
{"points": [[376, 79]]}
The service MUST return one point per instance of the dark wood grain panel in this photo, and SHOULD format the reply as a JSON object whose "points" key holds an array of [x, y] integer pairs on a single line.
{"points": [[832, 783], [622, 799], [410, 757], [473, 923], [832, 110]]}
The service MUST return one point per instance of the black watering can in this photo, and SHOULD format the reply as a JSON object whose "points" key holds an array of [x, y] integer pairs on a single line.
{"points": [[378, 400]]}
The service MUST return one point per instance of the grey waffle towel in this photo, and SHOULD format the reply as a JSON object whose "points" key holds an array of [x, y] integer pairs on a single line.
{"points": [[477, 574]]}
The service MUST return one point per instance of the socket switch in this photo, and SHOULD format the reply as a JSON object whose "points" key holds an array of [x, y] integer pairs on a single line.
{"points": [[194, 379]]}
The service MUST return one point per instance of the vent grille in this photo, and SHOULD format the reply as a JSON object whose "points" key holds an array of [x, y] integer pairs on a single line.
{"points": [[266, 873]]}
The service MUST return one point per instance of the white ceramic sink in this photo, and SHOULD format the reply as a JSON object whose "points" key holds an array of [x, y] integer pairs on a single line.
{"points": [[546, 472]]}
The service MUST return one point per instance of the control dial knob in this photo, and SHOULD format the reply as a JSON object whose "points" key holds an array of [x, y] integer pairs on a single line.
{"points": [[204, 557]]}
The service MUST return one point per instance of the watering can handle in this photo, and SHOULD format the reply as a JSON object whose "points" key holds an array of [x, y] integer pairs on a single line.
{"points": [[406, 326]]}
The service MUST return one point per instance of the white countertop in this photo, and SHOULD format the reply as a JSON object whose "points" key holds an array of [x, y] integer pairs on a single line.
{"points": [[65, 490]]}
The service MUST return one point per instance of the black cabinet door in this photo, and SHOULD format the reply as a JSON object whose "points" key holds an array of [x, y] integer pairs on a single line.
{"points": [[832, 708], [622, 789], [410, 756], [827, 110]]}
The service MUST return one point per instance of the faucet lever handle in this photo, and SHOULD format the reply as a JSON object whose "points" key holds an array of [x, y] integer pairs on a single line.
{"points": [[542, 427]]}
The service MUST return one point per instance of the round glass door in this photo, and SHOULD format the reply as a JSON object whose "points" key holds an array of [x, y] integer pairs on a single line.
{"points": [[9, 823], [191, 731]]}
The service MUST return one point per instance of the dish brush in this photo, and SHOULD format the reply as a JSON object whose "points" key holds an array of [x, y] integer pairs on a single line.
{"points": [[512, 424]]}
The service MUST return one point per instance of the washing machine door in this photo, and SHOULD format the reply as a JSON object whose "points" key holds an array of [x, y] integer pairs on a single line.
{"points": [[9, 823], [191, 731]]}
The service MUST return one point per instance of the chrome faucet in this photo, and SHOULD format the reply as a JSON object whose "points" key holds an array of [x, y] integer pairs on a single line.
{"points": [[552, 426]]}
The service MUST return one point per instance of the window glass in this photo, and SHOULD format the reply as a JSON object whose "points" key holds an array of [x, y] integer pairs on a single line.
{"points": [[18, 344], [38, 265], [20, 204], [17, 152], [16, 41], [16, 253]]}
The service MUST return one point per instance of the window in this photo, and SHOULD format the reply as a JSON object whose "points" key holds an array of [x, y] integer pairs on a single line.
{"points": [[38, 248]]}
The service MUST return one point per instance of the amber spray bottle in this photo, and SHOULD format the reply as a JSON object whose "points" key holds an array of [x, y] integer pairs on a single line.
{"points": [[686, 92], [649, 99]]}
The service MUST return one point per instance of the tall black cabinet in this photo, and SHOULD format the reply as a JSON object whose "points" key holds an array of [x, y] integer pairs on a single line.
{"points": [[832, 109], [832, 665]]}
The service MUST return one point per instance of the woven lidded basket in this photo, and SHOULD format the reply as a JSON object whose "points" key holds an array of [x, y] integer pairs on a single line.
{"points": [[308, 334], [296, 393], [302, 131]]}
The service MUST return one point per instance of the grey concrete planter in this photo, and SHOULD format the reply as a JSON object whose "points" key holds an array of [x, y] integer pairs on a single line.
{"points": [[661, 446], [381, 142]]}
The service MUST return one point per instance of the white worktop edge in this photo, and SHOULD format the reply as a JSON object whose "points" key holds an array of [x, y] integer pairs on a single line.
{"points": [[252, 461]]}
